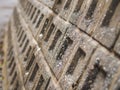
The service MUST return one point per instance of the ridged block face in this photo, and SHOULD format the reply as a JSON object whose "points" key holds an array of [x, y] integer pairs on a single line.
{"points": [[64, 45]]}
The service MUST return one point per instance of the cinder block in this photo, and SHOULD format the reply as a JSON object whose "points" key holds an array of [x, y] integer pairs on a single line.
{"points": [[17, 85], [58, 6], [24, 3], [68, 9], [78, 61], [32, 77], [30, 67], [45, 77], [11, 62], [45, 23], [13, 78], [28, 59], [27, 7], [53, 54], [65, 49], [52, 86], [35, 22], [12, 67], [48, 3], [117, 46], [42, 77], [99, 72], [115, 82], [77, 12], [90, 14], [108, 29], [40, 19], [49, 45]]}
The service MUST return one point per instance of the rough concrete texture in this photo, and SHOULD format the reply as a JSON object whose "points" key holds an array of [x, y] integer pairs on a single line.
{"points": [[63, 45]]}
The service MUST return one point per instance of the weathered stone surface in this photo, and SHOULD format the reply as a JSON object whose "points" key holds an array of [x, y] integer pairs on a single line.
{"points": [[77, 61], [100, 71], [117, 46], [63, 45]]}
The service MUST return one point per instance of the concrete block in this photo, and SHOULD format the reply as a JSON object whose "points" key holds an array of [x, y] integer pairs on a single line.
{"points": [[58, 6], [78, 61], [100, 71], [68, 44], [117, 46], [49, 3], [58, 26], [68, 9], [76, 12], [108, 29]]}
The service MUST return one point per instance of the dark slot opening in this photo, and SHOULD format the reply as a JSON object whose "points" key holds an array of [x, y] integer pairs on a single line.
{"points": [[33, 13], [16, 86], [49, 32], [28, 52], [45, 26], [20, 36], [10, 50], [19, 31], [23, 40], [91, 9], [68, 42], [58, 2], [26, 44], [92, 76], [56, 38], [14, 77], [78, 6], [18, 27], [11, 53], [47, 83], [39, 21], [13, 68], [57, 6], [67, 5], [30, 9], [79, 55], [27, 8], [40, 83], [11, 62], [31, 62], [110, 12], [38, 12], [36, 68], [117, 88]]}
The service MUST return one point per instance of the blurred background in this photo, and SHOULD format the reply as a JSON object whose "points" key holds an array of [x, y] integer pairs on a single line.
{"points": [[6, 8]]}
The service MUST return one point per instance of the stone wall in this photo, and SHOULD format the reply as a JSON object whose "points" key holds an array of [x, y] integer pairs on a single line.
{"points": [[64, 45]]}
